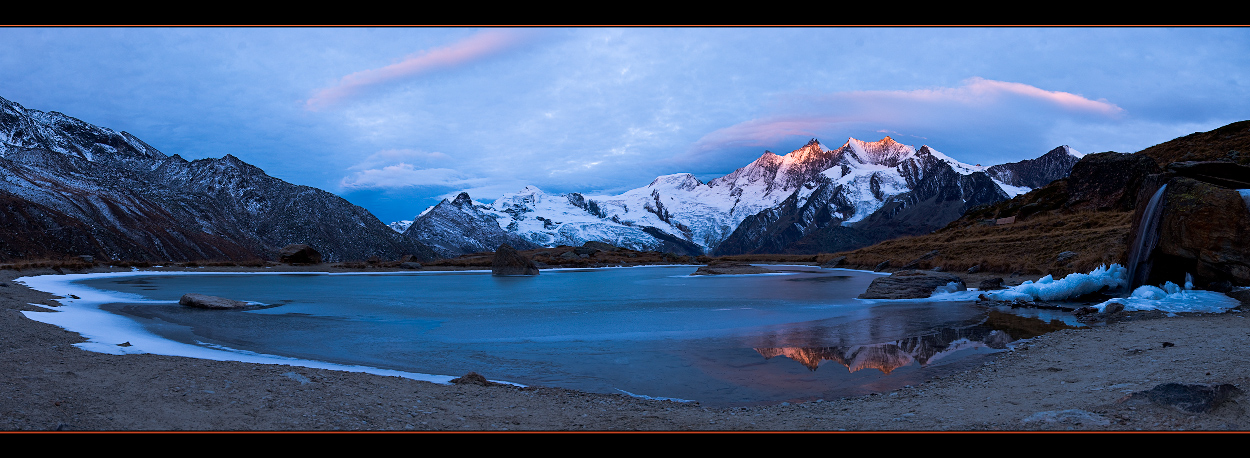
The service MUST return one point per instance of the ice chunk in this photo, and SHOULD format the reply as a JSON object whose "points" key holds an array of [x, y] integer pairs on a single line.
{"points": [[1172, 299], [1071, 286]]}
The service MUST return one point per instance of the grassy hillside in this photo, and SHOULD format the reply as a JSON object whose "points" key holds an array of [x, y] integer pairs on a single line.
{"points": [[1031, 246]]}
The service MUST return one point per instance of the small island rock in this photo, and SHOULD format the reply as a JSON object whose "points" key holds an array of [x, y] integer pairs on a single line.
{"points": [[205, 301], [911, 284], [508, 262], [731, 268], [835, 262]]}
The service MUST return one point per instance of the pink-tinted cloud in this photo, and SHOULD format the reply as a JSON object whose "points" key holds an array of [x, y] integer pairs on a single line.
{"points": [[981, 90], [978, 101], [479, 46]]}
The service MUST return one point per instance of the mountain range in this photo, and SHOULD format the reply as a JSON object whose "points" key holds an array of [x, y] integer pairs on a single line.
{"points": [[72, 188], [813, 199]]}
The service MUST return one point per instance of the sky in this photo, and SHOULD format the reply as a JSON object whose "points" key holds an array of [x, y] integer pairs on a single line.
{"points": [[395, 119]]}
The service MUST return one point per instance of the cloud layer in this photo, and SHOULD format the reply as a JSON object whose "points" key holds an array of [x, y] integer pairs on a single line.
{"points": [[472, 49], [978, 102]]}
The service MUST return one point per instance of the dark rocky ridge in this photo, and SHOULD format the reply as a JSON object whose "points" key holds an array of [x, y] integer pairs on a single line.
{"points": [[1035, 173], [134, 202]]}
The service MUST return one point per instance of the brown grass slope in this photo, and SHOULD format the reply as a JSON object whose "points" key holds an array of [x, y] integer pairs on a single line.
{"points": [[1229, 143]]}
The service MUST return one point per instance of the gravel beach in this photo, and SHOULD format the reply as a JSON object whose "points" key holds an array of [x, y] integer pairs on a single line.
{"points": [[1081, 379]]}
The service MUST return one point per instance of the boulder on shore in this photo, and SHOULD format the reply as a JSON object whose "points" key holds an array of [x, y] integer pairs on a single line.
{"points": [[991, 284], [911, 284], [299, 253], [835, 262], [508, 263], [731, 268], [204, 301], [1202, 229]]}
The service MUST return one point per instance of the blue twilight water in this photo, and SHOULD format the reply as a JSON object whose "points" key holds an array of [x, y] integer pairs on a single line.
{"points": [[653, 331]]}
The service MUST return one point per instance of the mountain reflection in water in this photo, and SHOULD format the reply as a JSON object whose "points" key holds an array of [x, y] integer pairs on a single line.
{"points": [[654, 331], [999, 330]]}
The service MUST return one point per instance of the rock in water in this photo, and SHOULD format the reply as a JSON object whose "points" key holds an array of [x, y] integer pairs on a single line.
{"points": [[299, 254], [835, 262], [508, 262], [731, 268], [204, 301], [911, 284]]}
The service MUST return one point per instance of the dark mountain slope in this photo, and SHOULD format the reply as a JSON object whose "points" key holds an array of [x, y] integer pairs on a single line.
{"points": [[140, 204]]}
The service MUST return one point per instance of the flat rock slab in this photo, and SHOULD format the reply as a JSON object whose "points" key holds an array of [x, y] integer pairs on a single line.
{"points": [[732, 268], [1188, 398], [911, 284], [205, 301]]}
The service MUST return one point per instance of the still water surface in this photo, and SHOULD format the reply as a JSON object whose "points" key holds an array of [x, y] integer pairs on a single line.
{"points": [[650, 331]]}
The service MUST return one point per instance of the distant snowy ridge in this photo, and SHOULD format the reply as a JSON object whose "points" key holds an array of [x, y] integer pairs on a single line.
{"points": [[844, 186]]}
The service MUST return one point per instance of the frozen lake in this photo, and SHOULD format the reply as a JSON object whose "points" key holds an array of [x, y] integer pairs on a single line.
{"points": [[647, 331]]}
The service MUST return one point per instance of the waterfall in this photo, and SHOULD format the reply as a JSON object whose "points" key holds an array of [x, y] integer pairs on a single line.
{"points": [[1139, 258]]}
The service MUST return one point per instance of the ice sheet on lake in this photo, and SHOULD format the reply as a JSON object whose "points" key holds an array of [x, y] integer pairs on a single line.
{"points": [[110, 333]]}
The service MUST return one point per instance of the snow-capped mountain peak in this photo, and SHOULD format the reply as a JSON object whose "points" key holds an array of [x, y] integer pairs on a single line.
{"points": [[462, 200], [681, 181], [1072, 152], [885, 152], [812, 151], [960, 167]]}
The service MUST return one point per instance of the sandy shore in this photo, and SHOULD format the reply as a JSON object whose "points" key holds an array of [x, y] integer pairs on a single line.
{"points": [[1075, 379]]}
